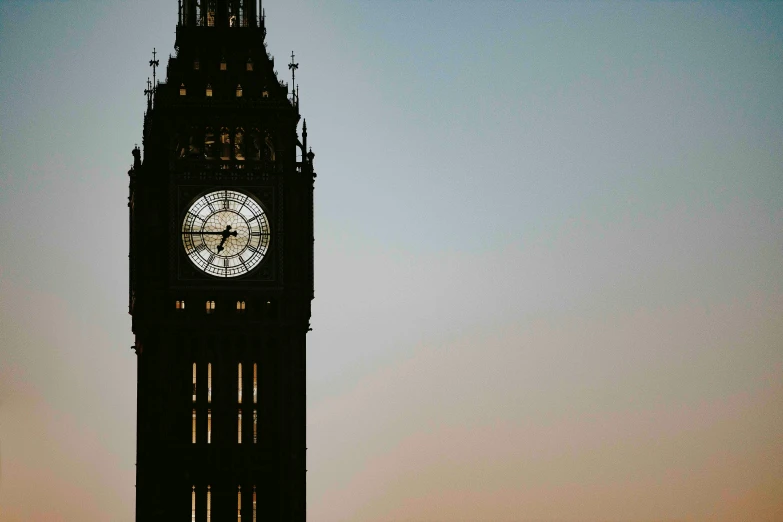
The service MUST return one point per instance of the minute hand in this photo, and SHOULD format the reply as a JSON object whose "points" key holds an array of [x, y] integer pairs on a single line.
{"points": [[211, 233]]}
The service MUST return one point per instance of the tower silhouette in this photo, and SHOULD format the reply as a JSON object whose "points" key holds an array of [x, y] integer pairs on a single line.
{"points": [[221, 277]]}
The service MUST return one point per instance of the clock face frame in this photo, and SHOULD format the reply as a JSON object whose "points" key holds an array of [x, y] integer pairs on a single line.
{"points": [[225, 233]]}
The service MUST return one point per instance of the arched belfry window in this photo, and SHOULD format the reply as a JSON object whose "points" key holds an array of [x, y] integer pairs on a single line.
{"points": [[239, 91], [225, 144], [195, 141], [255, 145], [179, 305], [239, 144], [209, 90], [269, 150], [210, 307], [240, 304], [209, 144]]}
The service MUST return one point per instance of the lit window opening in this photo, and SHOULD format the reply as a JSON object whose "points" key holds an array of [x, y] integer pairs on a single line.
{"points": [[193, 427], [255, 383], [182, 90], [249, 66], [209, 503], [239, 427], [223, 65], [240, 306], [210, 307], [179, 305], [209, 426], [254, 504], [209, 90], [193, 504], [209, 382], [194, 382], [239, 503], [239, 91], [239, 385], [211, 8]]}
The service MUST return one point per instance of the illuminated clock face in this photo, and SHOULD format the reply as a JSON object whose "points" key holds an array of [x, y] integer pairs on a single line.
{"points": [[225, 233]]}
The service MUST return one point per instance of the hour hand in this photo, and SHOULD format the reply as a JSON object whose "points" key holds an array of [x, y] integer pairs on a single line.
{"points": [[226, 233]]}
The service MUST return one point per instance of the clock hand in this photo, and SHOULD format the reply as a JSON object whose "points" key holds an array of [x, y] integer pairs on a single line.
{"points": [[226, 233]]}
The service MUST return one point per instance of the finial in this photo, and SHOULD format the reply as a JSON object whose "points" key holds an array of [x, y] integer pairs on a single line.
{"points": [[154, 63], [148, 92], [293, 66]]}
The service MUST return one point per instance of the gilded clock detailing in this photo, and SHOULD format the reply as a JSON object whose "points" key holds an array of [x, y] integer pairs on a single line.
{"points": [[225, 233]]}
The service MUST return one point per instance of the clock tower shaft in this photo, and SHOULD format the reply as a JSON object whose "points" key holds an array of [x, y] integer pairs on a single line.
{"points": [[220, 315]]}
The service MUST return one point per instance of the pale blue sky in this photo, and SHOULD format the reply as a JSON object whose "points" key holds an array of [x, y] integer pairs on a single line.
{"points": [[573, 212]]}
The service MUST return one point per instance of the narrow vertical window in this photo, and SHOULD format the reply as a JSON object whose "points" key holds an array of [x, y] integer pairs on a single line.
{"points": [[194, 382], [223, 65], [196, 65], [182, 90], [255, 426], [179, 305], [254, 504], [209, 91], [249, 66], [255, 383], [209, 382], [239, 427], [210, 307], [193, 427], [239, 503], [209, 503], [239, 385], [209, 426], [239, 91], [193, 504]]}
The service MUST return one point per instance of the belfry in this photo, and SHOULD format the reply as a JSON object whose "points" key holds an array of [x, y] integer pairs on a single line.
{"points": [[221, 276]]}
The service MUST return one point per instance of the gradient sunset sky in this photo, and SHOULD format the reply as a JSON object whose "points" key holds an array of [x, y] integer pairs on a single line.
{"points": [[549, 257]]}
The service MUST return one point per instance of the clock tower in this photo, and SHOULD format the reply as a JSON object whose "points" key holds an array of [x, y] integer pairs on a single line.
{"points": [[221, 277]]}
